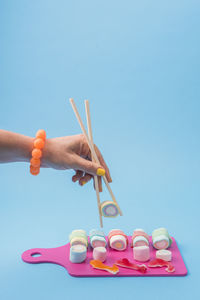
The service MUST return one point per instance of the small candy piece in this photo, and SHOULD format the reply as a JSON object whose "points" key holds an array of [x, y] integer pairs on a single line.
{"points": [[158, 263], [109, 209], [164, 254], [34, 170], [161, 238], [35, 162], [125, 263], [39, 143], [36, 153], [97, 238], [99, 253], [77, 254], [97, 264], [140, 238], [141, 253], [118, 242], [41, 134]]}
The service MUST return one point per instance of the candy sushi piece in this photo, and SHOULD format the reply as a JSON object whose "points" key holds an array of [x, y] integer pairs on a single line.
{"points": [[164, 254], [77, 254], [159, 263], [117, 240], [100, 253], [78, 237], [125, 263], [140, 238], [161, 238], [97, 264], [97, 238], [109, 209], [141, 253]]}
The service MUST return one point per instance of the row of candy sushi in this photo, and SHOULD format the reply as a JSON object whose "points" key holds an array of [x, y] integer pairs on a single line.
{"points": [[118, 241]]}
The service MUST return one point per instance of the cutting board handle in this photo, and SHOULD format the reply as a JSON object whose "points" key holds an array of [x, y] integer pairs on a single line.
{"points": [[36, 255], [47, 255]]}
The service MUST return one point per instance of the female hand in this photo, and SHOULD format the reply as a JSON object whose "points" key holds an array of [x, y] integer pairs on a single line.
{"points": [[69, 152]]}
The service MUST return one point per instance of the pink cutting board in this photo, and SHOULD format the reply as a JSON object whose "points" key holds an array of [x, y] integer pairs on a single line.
{"points": [[60, 256]]}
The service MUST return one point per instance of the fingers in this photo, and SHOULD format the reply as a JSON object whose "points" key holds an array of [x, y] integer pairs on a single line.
{"points": [[82, 177], [77, 176], [86, 178], [90, 169], [85, 151], [103, 164], [100, 183], [87, 166], [99, 180]]}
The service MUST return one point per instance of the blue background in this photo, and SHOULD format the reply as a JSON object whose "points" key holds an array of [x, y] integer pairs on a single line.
{"points": [[138, 63]]}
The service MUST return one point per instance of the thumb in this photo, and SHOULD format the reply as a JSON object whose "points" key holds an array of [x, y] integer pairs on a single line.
{"points": [[87, 166]]}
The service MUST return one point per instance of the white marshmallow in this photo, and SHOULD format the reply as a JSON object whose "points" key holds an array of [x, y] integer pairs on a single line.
{"points": [[164, 254], [100, 253], [141, 253], [78, 254]]}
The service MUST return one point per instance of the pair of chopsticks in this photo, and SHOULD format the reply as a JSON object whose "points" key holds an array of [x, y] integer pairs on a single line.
{"points": [[89, 139]]}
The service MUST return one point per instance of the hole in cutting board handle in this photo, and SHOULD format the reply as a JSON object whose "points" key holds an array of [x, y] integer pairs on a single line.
{"points": [[36, 254]]}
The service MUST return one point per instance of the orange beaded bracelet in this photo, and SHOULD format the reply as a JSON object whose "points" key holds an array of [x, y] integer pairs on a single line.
{"points": [[37, 152]]}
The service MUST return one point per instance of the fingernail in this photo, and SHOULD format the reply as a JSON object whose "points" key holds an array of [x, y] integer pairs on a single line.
{"points": [[83, 182], [101, 172]]}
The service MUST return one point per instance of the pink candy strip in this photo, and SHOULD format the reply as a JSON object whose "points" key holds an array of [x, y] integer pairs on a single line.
{"points": [[125, 263], [158, 262]]}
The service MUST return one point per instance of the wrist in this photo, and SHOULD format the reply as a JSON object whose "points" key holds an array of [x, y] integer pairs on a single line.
{"points": [[26, 148], [46, 153]]}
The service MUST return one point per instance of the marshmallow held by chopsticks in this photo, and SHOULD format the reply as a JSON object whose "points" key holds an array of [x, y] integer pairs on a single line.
{"points": [[109, 209], [94, 156]]}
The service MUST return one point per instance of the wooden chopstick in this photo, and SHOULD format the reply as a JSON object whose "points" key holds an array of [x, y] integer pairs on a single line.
{"points": [[89, 126], [93, 151]]}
